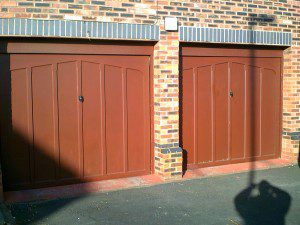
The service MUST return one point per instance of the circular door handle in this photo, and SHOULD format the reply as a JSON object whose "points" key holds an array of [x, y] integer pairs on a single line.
{"points": [[81, 98]]}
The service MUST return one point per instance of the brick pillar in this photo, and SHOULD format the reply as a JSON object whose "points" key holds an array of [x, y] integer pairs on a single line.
{"points": [[168, 154], [291, 104]]}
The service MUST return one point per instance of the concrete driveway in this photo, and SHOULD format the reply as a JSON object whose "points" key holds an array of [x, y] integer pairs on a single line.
{"points": [[220, 200]]}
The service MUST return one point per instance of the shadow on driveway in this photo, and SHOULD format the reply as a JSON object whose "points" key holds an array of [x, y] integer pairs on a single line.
{"points": [[263, 204]]}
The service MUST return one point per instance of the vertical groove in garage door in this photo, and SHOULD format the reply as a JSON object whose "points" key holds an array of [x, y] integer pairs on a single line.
{"points": [[42, 80], [237, 110], [58, 139], [69, 132], [115, 124], [221, 110], [93, 111], [253, 108], [218, 128]]}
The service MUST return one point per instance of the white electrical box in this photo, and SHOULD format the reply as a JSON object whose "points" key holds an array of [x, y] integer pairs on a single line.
{"points": [[171, 24]]}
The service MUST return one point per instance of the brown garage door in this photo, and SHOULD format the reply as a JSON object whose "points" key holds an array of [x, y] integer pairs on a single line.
{"points": [[77, 118], [231, 104]]}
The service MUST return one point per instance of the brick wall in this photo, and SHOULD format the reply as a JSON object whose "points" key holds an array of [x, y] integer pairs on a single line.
{"points": [[234, 14]]}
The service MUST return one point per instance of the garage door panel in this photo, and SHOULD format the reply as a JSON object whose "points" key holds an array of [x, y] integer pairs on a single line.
{"points": [[58, 139], [137, 130], [221, 91], [269, 112], [43, 99], [115, 119], [68, 108], [188, 106], [237, 110], [246, 124], [204, 117], [92, 90], [253, 107], [21, 133]]}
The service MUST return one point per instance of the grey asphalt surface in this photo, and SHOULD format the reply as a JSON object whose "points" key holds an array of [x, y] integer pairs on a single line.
{"points": [[204, 201]]}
